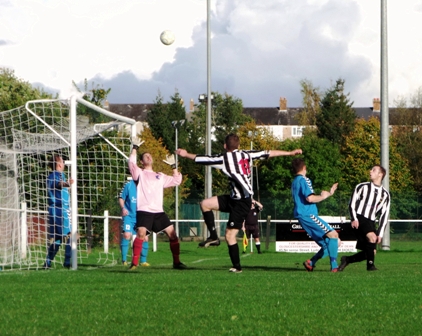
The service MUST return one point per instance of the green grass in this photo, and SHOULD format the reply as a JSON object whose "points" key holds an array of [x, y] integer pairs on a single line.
{"points": [[273, 296]]}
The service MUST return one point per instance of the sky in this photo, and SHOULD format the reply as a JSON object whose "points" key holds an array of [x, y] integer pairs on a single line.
{"points": [[260, 50]]}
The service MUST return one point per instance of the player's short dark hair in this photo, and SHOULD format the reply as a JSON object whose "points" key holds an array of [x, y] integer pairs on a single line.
{"points": [[141, 157], [53, 162], [232, 142], [382, 170], [297, 165]]}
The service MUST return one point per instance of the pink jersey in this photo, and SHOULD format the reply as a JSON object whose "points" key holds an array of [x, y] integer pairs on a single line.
{"points": [[150, 186]]}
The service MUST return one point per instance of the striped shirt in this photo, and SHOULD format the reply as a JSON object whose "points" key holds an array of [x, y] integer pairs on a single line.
{"points": [[371, 202], [237, 166]]}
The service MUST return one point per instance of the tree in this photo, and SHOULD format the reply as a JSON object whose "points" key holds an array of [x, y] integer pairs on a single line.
{"points": [[407, 133], [361, 150], [311, 100], [160, 119], [15, 92], [337, 117], [322, 158]]}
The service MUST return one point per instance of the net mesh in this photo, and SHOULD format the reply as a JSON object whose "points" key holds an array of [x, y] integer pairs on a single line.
{"points": [[29, 137]]}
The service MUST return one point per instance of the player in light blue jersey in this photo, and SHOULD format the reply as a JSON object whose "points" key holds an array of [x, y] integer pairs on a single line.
{"points": [[127, 202], [58, 212], [306, 211]]}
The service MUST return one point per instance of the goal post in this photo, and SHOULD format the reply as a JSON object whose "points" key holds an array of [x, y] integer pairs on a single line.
{"points": [[94, 143]]}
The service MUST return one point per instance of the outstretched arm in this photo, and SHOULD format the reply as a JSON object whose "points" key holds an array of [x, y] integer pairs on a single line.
{"points": [[324, 195], [183, 153], [276, 152]]}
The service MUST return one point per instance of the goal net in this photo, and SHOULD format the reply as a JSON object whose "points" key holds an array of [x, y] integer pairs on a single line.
{"points": [[94, 143]]}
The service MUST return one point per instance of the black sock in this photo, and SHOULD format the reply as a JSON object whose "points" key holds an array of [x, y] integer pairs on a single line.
{"points": [[370, 254], [258, 247], [234, 256], [210, 223], [358, 257]]}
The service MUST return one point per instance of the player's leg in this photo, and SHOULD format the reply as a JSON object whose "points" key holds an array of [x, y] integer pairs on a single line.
{"points": [[231, 239], [239, 211], [207, 207], [144, 222], [255, 235], [125, 242], [66, 238], [55, 235], [371, 245], [332, 248], [144, 252], [162, 223]]}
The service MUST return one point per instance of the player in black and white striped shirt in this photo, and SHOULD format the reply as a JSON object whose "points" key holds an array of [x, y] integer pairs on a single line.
{"points": [[369, 201], [236, 164]]}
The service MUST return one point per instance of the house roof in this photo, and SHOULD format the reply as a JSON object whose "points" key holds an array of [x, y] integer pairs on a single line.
{"points": [[261, 115]]}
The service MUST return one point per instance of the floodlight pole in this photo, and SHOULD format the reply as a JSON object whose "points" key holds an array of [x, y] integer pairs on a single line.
{"points": [[208, 175], [175, 124], [385, 130]]}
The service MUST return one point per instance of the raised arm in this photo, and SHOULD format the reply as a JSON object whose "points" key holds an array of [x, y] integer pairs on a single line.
{"points": [[276, 152], [183, 153]]}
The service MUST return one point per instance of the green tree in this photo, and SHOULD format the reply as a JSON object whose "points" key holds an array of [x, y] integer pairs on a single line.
{"points": [[361, 150], [322, 158], [311, 100], [337, 117], [407, 132], [160, 120], [15, 92]]}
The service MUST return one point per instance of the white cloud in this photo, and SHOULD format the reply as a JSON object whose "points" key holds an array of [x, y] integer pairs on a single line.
{"points": [[260, 50]]}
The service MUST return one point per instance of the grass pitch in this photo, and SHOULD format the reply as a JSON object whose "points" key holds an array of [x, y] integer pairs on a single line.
{"points": [[273, 296]]}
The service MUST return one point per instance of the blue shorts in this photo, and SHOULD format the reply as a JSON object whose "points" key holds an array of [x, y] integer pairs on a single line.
{"points": [[59, 222], [315, 227], [129, 225]]}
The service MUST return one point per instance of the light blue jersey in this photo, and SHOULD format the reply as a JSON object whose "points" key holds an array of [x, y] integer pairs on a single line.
{"points": [[301, 189], [128, 194]]}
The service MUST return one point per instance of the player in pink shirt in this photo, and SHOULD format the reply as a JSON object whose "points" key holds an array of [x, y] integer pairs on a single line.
{"points": [[150, 215]]}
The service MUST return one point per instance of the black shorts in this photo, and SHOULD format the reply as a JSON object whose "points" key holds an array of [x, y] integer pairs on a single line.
{"points": [[365, 226], [238, 210], [252, 230], [153, 222]]}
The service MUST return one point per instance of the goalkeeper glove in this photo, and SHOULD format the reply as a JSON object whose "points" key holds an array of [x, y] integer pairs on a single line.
{"points": [[136, 142], [170, 161]]}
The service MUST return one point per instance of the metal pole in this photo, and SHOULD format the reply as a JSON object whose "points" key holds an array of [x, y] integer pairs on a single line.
{"points": [[177, 195], [385, 131], [208, 189], [208, 175], [73, 187], [252, 167]]}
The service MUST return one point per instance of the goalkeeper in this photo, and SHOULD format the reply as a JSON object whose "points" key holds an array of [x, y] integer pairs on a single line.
{"points": [[58, 212], [150, 216]]}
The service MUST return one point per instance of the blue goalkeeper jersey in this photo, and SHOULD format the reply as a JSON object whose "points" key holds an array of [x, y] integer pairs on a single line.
{"points": [[57, 196], [128, 194], [301, 189]]}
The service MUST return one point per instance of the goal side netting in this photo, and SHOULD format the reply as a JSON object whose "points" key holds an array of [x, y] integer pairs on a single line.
{"points": [[94, 143]]}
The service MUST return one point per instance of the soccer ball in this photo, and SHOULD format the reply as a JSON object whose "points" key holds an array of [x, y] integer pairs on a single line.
{"points": [[167, 37]]}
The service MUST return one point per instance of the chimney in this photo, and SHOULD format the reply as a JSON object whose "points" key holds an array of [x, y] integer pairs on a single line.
{"points": [[191, 105], [283, 104], [106, 105], [376, 105]]}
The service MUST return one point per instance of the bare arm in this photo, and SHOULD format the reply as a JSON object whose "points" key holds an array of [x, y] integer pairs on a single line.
{"points": [[183, 153], [276, 152], [324, 195], [125, 212]]}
